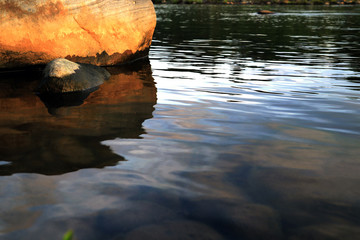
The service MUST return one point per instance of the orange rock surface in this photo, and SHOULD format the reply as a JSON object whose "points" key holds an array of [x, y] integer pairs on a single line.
{"points": [[100, 32]]}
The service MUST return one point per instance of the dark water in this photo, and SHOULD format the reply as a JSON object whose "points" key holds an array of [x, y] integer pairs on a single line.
{"points": [[240, 126]]}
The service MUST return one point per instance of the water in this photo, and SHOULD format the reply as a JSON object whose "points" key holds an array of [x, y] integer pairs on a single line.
{"points": [[240, 126]]}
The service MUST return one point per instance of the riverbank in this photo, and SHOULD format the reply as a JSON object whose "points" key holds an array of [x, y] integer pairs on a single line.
{"points": [[261, 2]]}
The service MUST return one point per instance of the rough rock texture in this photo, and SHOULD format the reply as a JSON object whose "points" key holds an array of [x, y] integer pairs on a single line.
{"points": [[61, 75], [99, 32]]}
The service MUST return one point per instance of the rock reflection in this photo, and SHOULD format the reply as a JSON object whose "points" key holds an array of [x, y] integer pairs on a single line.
{"points": [[34, 141], [53, 101]]}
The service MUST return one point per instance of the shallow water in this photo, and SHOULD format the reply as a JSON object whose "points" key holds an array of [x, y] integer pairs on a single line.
{"points": [[241, 126]]}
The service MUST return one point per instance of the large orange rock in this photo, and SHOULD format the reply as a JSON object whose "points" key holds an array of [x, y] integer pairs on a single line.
{"points": [[99, 32]]}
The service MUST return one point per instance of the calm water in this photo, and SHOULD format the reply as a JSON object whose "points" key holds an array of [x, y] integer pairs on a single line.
{"points": [[240, 126]]}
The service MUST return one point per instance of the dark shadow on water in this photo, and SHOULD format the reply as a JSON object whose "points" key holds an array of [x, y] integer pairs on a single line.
{"points": [[68, 139]]}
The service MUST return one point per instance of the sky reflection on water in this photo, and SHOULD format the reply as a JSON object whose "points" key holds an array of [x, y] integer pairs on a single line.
{"points": [[244, 127]]}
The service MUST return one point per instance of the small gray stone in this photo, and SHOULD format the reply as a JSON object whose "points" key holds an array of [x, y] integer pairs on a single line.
{"points": [[61, 75]]}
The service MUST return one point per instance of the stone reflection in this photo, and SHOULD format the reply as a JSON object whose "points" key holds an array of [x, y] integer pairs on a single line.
{"points": [[54, 101], [34, 141]]}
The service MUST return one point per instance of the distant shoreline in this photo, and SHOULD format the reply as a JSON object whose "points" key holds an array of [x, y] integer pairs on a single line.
{"points": [[261, 2]]}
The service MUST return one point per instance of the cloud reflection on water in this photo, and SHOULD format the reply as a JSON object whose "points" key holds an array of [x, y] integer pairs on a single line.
{"points": [[170, 188]]}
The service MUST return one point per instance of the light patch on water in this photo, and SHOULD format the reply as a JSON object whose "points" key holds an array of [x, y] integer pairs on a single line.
{"points": [[4, 163]]}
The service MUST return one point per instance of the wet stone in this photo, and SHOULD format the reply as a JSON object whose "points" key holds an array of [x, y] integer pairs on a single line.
{"points": [[62, 76]]}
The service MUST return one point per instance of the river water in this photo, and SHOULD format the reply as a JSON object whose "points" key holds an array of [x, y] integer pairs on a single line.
{"points": [[240, 126]]}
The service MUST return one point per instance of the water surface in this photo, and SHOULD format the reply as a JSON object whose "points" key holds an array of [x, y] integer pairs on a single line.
{"points": [[241, 126]]}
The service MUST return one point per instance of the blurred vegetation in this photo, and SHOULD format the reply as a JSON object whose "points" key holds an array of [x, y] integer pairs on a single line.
{"points": [[267, 2], [68, 235]]}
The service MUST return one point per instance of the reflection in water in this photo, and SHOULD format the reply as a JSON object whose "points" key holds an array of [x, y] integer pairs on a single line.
{"points": [[53, 101], [31, 141], [255, 135]]}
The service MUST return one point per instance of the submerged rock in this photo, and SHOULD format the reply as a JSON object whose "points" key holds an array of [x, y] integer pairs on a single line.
{"points": [[63, 76], [95, 32]]}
